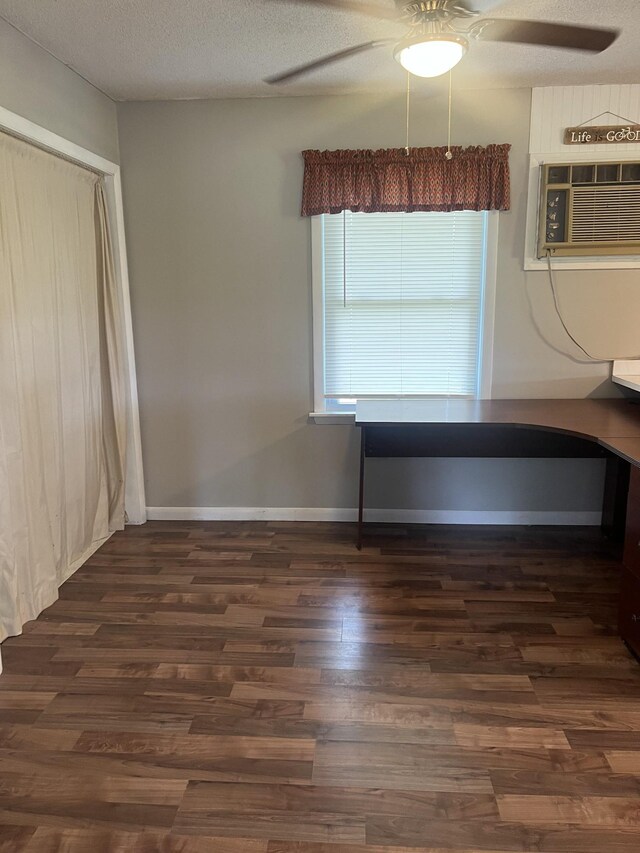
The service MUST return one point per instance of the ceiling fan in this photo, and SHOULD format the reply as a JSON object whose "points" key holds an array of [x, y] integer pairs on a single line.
{"points": [[435, 42]]}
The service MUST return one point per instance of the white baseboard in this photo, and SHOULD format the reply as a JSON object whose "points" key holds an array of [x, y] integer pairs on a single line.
{"points": [[402, 516]]}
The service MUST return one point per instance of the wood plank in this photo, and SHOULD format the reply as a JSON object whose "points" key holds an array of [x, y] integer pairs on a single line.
{"points": [[505, 737], [587, 811], [502, 835], [54, 840]]}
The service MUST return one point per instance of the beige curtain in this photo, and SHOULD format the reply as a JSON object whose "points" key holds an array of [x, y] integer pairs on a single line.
{"points": [[62, 393]]}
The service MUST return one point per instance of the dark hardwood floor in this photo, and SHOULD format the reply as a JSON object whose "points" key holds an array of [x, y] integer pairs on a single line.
{"points": [[266, 688]]}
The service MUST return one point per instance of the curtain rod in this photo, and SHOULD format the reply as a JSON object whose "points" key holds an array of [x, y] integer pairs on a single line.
{"points": [[15, 135]]}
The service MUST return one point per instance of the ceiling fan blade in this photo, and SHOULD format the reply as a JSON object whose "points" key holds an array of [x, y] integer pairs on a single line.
{"points": [[372, 10], [464, 8], [481, 6], [330, 58], [546, 34]]}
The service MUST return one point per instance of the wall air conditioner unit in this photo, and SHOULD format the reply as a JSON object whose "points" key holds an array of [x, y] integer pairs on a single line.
{"points": [[589, 209]]}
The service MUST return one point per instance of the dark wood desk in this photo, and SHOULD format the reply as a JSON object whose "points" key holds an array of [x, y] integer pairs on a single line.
{"points": [[607, 429]]}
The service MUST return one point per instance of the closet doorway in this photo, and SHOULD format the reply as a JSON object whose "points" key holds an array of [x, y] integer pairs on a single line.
{"points": [[70, 461]]}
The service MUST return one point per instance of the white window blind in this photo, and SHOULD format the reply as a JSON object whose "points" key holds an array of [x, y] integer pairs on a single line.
{"points": [[403, 303]]}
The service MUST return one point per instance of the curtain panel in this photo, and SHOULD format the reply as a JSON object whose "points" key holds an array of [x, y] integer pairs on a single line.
{"points": [[392, 181], [62, 382]]}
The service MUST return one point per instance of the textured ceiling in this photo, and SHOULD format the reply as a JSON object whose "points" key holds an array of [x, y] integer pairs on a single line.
{"points": [[164, 49]]}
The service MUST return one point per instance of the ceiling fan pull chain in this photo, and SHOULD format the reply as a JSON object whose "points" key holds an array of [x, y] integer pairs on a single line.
{"points": [[407, 149], [449, 154]]}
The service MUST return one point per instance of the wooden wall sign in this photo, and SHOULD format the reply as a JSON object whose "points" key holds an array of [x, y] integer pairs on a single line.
{"points": [[607, 135]]}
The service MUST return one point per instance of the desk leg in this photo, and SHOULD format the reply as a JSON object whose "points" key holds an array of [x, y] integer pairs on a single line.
{"points": [[614, 507], [361, 493]]}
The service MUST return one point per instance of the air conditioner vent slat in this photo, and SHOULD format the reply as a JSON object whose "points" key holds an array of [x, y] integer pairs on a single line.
{"points": [[605, 214]]}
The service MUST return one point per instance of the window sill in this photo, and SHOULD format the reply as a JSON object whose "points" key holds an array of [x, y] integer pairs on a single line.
{"points": [[332, 417]]}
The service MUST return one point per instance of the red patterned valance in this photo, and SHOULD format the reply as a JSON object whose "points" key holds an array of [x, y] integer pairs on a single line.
{"points": [[392, 181]]}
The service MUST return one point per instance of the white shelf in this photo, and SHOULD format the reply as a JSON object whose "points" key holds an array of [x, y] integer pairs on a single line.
{"points": [[631, 381], [626, 373]]}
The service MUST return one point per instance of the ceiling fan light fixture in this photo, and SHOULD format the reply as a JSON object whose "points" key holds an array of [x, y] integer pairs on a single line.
{"points": [[431, 55]]}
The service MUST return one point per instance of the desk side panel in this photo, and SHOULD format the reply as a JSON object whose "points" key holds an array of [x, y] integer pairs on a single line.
{"points": [[475, 440]]}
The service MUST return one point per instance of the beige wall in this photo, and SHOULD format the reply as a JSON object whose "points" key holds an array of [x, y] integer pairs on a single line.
{"points": [[38, 87], [220, 268]]}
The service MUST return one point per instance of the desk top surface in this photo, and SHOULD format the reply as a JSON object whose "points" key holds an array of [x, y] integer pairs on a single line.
{"points": [[597, 419]]}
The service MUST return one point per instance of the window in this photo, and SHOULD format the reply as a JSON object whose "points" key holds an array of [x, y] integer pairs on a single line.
{"points": [[403, 305]]}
